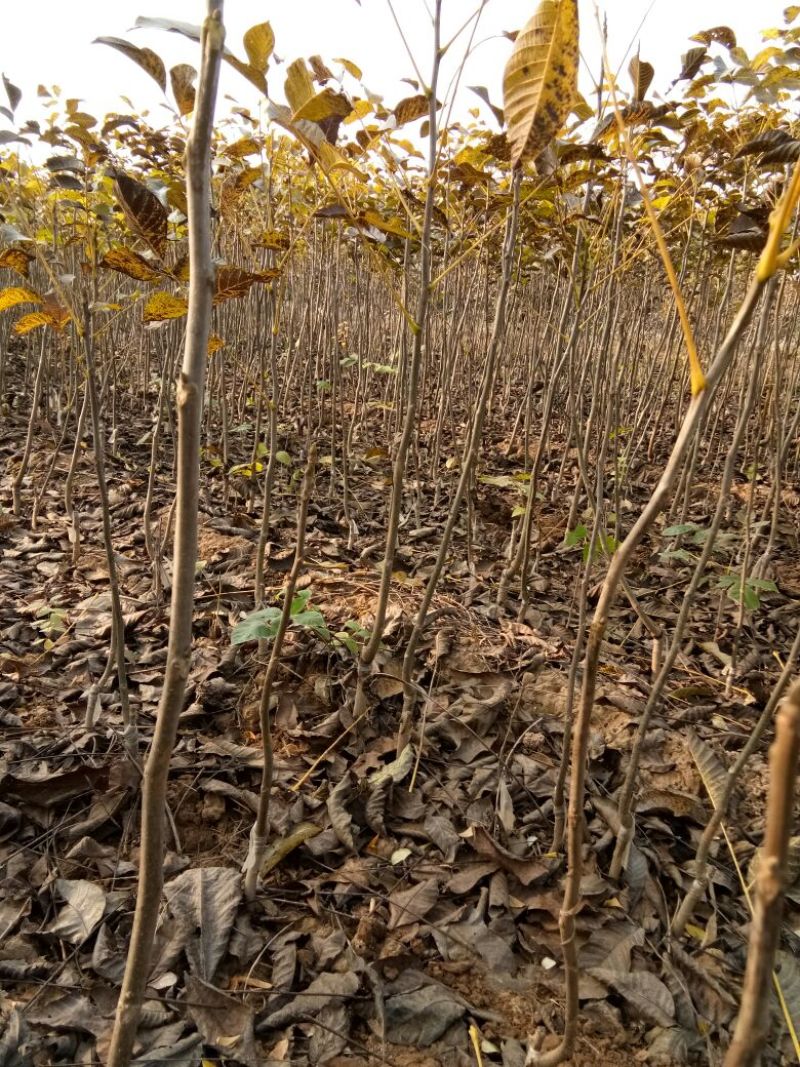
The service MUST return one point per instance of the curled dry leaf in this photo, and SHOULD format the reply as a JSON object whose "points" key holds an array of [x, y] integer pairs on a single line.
{"points": [[281, 848], [375, 808], [341, 819], [723, 35], [712, 769]]}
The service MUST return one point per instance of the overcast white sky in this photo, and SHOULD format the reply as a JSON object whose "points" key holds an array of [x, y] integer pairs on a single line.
{"points": [[50, 41]]}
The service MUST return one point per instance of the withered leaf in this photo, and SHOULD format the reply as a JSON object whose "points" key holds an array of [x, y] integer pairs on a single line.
{"points": [[225, 1023], [411, 108], [408, 906], [233, 282], [16, 259], [323, 990], [525, 870], [204, 902], [281, 848], [146, 58], [647, 995], [126, 261], [341, 819], [144, 212], [723, 35], [182, 78]]}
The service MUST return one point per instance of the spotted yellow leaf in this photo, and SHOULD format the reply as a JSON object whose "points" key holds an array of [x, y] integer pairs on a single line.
{"points": [[30, 322], [16, 259], [182, 78], [258, 44], [126, 261], [17, 294], [164, 306], [540, 79]]}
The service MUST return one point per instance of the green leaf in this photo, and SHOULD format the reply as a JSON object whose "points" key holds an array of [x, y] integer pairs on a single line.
{"points": [[284, 458], [257, 626], [312, 620], [680, 554], [350, 643], [300, 601], [764, 584], [576, 536], [502, 481], [750, 599], [681, 528]]}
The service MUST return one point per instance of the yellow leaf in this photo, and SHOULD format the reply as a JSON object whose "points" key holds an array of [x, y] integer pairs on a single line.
{"points": [[164, 305], [392, 225], [182, 78], [280, 848], [540, 79], [30, 322], [350, 67], [215, 343], [16, 259], [697, 932], [130, 263], [245, 146], [325, 105], [17, 294], [298, 86], [258, 43], [274, 239], [361, 108]]}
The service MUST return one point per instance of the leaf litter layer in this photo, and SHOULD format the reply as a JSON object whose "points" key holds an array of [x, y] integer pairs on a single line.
{"points": [[386, 915], [410, 900]]}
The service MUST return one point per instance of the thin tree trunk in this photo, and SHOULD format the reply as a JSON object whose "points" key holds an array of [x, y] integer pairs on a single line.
{"points": [[190, 407], [752, 1026]]}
